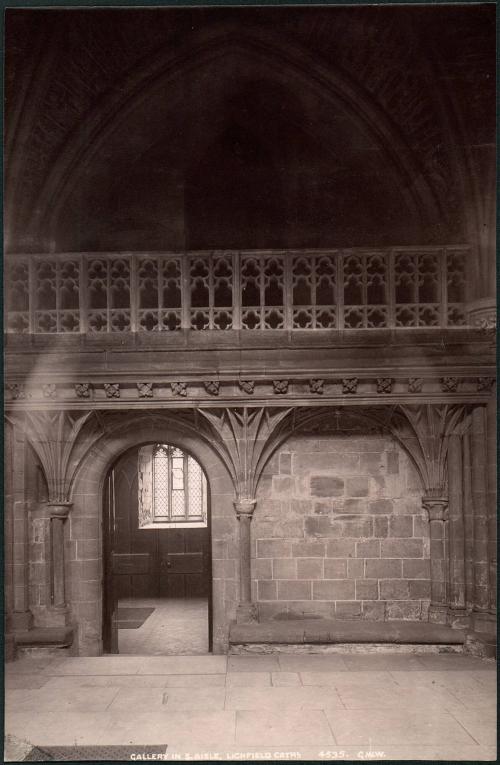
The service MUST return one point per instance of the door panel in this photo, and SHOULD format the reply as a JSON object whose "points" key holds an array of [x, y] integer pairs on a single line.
{"points": [[185, 563]]}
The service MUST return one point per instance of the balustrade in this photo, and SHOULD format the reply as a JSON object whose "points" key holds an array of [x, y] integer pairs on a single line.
{"points": [[95, 293]]}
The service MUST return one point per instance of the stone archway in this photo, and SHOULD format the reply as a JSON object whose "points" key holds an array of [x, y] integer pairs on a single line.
{"points": [[84, 527]]}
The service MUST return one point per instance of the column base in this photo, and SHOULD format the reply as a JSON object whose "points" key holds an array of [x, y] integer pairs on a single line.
{"points": [[458, 618], [21, 621], [438, 614], [9, 647], [246, 612], [484, 622], [57, 616]]}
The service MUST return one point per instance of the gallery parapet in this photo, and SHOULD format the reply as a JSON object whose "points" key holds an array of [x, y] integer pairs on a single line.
{"points": [[365, 288]]}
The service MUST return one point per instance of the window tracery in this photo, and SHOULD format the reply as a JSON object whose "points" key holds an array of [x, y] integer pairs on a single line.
{"points": [[172, 488]]}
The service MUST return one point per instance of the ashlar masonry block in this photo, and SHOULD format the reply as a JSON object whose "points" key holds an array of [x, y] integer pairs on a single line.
{"points": [[334, 589], [326, 486], [401, 548], [310, 568], [382, 569], [367, 589], [273, 548], [341, 548], [294, 590], [285, 568], [335, 568]]}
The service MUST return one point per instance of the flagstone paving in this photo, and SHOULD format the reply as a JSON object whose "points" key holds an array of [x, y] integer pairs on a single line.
{"points": [[280, 706]]}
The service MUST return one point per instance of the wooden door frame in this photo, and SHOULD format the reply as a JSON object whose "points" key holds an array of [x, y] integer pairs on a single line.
{"points": [[107, 612]]}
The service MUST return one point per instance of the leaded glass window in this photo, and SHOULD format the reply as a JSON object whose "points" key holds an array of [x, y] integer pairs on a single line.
{"points": [[172, 487]]}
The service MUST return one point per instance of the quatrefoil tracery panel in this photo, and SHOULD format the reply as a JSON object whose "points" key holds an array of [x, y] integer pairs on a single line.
{"points": [[348, 289]]}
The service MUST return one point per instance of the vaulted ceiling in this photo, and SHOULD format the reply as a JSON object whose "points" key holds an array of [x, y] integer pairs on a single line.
{"points": [[266, 127]]}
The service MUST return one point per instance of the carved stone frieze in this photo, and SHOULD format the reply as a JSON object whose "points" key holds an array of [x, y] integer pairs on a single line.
{"points": [[247, 386], [212, 387], [280, 386], [449, 384], [485, 384], [49, 390], [112, 390], [415, 384], [17, 391], [384, 384], [145, 389], [83, 390], [317, 386], [179, 388], [350, 385]]}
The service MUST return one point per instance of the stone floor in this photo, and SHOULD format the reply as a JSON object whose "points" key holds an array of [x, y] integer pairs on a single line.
{"points": [[176, 626], [278, 706]]}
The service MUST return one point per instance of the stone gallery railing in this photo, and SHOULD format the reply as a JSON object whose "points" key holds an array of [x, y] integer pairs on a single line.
{"points": [[249, 290]]}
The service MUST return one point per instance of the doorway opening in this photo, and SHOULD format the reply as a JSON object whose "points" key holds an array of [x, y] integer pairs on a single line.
{"points": [[157, 554]]}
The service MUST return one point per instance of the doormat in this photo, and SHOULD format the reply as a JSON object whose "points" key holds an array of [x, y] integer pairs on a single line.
{"points": [[132, 618], [92, 753]]}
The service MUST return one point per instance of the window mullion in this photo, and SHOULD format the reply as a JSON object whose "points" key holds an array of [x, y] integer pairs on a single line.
{"points": [[185, 476], [170, 473]]}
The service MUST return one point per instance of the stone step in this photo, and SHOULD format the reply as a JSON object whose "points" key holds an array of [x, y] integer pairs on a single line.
{"points": [[345, 632], [45, 636], [44, 641], [256, 649]]}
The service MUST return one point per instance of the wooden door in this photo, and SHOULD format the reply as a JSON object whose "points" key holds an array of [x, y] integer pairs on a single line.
{"points": [[184, 563]]}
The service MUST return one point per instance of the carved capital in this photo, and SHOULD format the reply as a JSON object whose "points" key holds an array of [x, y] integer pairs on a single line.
{"points": [[59, 509], [245, 506], [437, 507]]}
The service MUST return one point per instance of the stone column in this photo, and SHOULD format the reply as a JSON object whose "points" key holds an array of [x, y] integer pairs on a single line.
{"points": [[437, 508], [457, 616], [246, 611], [479, 486], [17, 480], [58, 512], [468, 524], [491, 448]]}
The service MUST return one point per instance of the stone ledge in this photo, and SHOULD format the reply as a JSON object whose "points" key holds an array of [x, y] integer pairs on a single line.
{"points": [[45, 636], [350, 631], [481, 645]]}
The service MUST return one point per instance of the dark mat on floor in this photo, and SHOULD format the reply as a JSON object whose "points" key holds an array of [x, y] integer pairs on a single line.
{"points": [[132, 618], [91, 753]]}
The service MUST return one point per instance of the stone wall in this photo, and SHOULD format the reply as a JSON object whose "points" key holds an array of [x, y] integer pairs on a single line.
{"points": [[339, 531]]}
